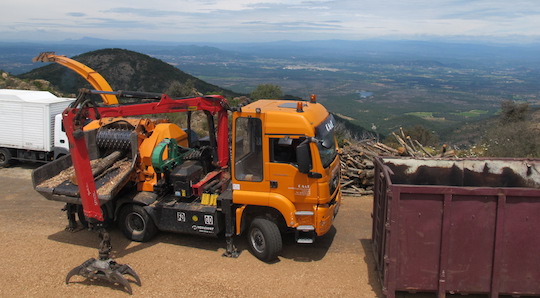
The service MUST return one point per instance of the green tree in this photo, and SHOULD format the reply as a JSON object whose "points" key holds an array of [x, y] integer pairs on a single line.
{"points": [[268, 91], [419, 133], [423, 135], [513, 112], [515, 139], [177, 89]]}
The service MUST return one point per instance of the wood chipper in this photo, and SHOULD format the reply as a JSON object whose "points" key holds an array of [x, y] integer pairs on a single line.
{"points": [[276, 171]]}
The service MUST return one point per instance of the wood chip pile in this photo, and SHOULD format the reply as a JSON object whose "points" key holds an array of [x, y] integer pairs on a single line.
{"points": [[67, 176]]}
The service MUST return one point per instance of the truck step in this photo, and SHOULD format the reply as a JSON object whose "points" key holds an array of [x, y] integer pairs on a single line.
{"points": [[305, 228], [304, 240], [305, 234], [304, 213]]}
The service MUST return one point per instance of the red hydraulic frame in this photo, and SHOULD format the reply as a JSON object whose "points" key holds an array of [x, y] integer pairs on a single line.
{"points": [[74, 119]]}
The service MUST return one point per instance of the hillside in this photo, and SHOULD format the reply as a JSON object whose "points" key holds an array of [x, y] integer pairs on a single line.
{"points": [[8, 81], [124, 70]]}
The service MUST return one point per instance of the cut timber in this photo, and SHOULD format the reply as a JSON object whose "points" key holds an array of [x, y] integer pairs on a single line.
{"points": [[101, 165], [357, 168]]}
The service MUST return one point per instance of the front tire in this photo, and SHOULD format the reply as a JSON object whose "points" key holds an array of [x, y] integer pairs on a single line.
{"points": [[5, 158], [264, 239], [136, 224]]}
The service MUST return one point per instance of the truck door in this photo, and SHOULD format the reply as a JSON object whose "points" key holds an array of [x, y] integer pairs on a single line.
{"points": [[284, 177], [60, 137], [249, 183]]}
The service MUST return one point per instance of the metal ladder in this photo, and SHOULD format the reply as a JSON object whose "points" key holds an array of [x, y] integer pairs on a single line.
{"points": [[305, 234]]}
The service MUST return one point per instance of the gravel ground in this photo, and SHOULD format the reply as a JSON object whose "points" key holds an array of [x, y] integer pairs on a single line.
{"points": [[37, 253]]}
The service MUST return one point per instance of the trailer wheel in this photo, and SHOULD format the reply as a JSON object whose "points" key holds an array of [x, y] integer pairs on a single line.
{"points": [[5, 158], [264, 239], [136, 224]]}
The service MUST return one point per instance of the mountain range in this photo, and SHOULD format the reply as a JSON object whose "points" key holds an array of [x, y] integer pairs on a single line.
{"points": [[445, 87]]}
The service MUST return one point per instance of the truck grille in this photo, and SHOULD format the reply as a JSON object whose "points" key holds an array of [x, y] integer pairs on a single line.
{"points": [[334, 181]]}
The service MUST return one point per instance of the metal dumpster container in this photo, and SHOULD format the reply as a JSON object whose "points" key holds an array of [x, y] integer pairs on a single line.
{"points": [[457, 225]]}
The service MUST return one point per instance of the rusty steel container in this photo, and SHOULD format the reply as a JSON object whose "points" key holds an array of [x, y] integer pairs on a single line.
{"points": [[457, 226]]}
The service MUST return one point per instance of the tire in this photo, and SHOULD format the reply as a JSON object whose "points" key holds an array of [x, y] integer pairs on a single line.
{"points": [[5, 158], [264, 239], [136, 224]]}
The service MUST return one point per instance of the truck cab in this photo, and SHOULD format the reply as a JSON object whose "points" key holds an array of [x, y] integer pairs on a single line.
{"points": [[285, 169]]}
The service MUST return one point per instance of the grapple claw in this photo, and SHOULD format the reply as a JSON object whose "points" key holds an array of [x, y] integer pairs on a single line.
{"points": [[107, 270], [126, 269], [74, 271], [116, 276]]}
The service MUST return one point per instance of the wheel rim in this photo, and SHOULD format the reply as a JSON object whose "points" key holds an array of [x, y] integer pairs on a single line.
{"points": [[2, 157], [257, 240], [135, 222]]}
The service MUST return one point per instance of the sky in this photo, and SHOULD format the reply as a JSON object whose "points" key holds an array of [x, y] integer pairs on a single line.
{"points": [[270, 20]]}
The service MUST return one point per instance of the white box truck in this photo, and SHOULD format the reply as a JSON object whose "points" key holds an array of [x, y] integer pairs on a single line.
{"points": [[31, 126]]}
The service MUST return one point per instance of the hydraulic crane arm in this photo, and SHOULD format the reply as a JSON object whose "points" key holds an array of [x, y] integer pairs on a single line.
{"points": [[93, 77]]}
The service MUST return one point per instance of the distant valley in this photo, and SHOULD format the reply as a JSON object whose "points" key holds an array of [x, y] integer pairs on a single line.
{"points": [[379, 85]]}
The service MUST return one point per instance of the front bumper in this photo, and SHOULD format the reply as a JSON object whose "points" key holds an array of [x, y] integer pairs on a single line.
{"points": [[326, 213]]}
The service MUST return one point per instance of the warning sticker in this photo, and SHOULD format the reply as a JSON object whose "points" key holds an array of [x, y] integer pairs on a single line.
{"points": [[181, 216], [203, 229]]}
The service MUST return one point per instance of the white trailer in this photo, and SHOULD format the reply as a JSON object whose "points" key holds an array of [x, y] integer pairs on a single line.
{"points": [[31, 126]]}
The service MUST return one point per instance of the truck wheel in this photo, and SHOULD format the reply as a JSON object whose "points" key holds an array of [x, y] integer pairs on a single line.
{"points": [[5, 158], [264, 239], [136, 224]]}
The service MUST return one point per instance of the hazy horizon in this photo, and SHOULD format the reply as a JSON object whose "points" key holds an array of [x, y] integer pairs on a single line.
{"points": [[274, 20]]}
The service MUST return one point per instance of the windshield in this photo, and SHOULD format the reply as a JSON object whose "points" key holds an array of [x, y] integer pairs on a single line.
{"points": [[327, 141]]}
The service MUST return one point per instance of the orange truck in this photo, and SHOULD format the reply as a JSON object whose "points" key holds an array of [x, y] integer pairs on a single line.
{"points": [[283, 174]]}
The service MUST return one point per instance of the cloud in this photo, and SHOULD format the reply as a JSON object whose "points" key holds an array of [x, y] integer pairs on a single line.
{"points": [[85, 23], [114, 23], [76, 14], [145, 12], [489, 14], [276, 19], [333, 25]]}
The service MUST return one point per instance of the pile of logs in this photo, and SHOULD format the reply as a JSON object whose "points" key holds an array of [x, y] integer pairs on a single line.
{"points": [[410, 147], [357, 167]]}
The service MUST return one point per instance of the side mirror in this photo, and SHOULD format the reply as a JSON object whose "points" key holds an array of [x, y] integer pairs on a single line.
{"points": [[303, 156]]}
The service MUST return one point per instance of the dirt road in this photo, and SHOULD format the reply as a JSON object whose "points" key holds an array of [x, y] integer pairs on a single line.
{"points": [[37, 254]]}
